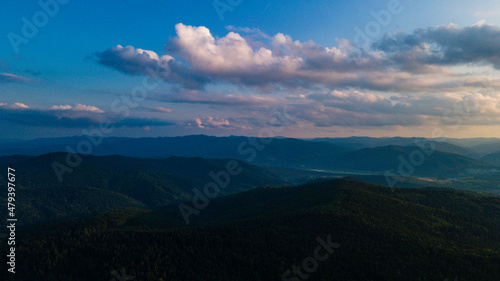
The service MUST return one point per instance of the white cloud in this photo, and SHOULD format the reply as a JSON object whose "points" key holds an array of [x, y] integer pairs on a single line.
{"points": [[404, 79], [17, 105], [417, 61], [223, 55], [77, 107], [91, 108], [60, 107], [215, 123], [211, 122]]}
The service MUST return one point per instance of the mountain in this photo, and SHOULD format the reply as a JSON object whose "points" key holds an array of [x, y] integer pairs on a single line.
{"points": [[366, 142], [369, 142], [9, 140], [102, 183], [487, 184], [280, 152], [470, 142], [488, 148], [480, 145], [422, 162], [334, 230], [12, 159], [493, 158]]}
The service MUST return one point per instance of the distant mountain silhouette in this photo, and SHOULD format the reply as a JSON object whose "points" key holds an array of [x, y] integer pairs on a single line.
{"points": [[390, 158], [280, 152], [369, 142], [493, 158]]}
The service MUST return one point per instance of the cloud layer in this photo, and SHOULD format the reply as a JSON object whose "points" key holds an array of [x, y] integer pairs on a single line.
{"points": [[402, 79], [397, 62], [67, 116]]}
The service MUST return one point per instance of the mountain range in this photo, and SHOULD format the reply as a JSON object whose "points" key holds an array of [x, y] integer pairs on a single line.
{"points": [[238, 208], [353, 154]]}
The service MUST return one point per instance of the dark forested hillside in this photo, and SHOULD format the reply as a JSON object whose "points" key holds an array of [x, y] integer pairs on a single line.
{"points": [[368, 232], [102, 183]]}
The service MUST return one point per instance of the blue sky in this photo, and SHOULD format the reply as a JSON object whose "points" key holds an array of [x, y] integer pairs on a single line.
{"points": [[266, 55]]}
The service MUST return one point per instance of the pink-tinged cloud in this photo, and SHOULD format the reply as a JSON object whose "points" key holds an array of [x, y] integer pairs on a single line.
{"points": [[66, 116], [15, 106], [416, 61], [214, 123], [202, 97], [403, 79], [77, 107], [61, 107], [156, 109], [12, 78]]}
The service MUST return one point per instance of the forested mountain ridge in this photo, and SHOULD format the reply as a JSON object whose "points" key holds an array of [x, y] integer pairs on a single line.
{"points": [[406, 234], [103, 183]]}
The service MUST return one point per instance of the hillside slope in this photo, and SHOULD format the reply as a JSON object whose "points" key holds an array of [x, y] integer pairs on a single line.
{"points": [[391, 158], [102, 183], [260, 234]]}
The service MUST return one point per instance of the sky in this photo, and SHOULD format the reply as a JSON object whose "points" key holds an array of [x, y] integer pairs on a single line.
{"points": [[229, 67]]}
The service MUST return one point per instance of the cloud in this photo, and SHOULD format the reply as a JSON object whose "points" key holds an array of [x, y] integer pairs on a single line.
{"points": [[12, 78], [61, 107], [214, 123], [205, 59], [480, 23], [66, 116], [156, 109], [397, 62], [132, 61], [90, 108], [252, 30], [403, 79], [354, 108], [201, 97], [46, 118], [77, 107], [491, 13], [324, 116], [211, 122], [14, 106], [444, 45]]}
